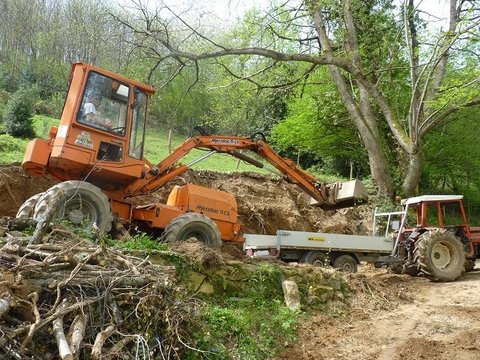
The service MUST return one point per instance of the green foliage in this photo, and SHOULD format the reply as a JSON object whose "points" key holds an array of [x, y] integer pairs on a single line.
{"points": [[252, 323], [140, 241], [245, 331], [317, 124], [17, 117], [12, 149]]}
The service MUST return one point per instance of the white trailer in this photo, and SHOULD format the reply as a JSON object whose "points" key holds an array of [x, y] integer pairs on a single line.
{"points": [[338, 250]]}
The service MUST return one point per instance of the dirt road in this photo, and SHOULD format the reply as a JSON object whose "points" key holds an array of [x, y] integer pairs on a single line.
{"points": [[428, 321]]}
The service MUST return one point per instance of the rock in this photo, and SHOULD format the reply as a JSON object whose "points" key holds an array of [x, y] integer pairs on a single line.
{"points": [[319, 294], [291, 294]]}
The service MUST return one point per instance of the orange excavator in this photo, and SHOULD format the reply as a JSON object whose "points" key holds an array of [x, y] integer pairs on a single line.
{"points": [[96, 154]]}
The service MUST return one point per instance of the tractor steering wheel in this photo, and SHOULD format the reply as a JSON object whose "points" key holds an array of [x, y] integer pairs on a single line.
{"points": [[118, 130]]}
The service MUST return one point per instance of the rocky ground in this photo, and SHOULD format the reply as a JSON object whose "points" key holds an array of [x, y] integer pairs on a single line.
{"points": [[390, 317]]}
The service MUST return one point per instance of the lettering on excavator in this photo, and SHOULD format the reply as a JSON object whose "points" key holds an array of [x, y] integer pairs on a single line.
{"points": [[201, 208]]}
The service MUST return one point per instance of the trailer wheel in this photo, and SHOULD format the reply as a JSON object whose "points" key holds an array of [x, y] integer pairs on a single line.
{"points": [[345, 263], [84, 205], [194, 225], [316, 258], [27, 208], [440, 255]]}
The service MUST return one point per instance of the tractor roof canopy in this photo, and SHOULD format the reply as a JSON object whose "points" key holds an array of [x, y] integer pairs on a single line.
{"points": [[431, 198]]}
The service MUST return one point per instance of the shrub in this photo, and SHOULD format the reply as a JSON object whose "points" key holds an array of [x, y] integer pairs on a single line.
{"points": [[17, 117]]}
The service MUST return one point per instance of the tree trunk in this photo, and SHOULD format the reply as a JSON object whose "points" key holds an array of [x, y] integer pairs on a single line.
{"points": [[378, 164], [413, 173]]}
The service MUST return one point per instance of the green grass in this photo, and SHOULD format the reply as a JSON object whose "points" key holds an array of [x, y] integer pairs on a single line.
{"points": [[156, 149]]}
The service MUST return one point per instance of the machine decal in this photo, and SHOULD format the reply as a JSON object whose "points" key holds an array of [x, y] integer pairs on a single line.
{"points": [[225, 141], [84, 139], [213, 210], [316, 238], [62, 131]]}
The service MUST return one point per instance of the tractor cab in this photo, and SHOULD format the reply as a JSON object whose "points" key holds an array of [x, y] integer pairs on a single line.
{"points": [[426, 212], [101, 131]]}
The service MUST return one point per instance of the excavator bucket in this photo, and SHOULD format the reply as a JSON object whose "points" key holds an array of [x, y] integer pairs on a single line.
{"points": [[343, 195]]}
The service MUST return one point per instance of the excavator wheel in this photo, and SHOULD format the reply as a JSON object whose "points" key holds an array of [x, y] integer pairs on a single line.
{"points": [[27, 208], [345, 263], [439, 255], [194, 225], [84, 205]]}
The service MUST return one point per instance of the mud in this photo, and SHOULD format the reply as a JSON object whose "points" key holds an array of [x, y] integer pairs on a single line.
{"points": [[396, 317], [265, 204]]}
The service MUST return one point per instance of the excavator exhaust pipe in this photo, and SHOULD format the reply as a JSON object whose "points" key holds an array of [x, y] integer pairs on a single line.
{"points": [[343, 195]]}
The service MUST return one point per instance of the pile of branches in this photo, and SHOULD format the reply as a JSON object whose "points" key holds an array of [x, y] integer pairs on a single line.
{"points": [[70, 298]]}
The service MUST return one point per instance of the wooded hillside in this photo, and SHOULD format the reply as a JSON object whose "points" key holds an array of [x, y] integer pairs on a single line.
{"points": [[350, 88]]}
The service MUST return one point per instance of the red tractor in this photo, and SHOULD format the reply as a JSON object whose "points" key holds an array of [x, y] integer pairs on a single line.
{"points": [[434, 239]]}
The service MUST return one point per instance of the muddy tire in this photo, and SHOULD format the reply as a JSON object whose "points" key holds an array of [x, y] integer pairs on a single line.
{"points": [[440, 255], [316, 258], [27, 208], [345, 263], [84, 205], [194, 225]]}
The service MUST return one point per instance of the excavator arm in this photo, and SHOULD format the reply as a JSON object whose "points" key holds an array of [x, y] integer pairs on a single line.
{"points": [[327, 196]]}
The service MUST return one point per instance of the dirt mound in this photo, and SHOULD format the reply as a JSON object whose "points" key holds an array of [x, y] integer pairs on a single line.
{"points": [[265, 204], [16, 186]]}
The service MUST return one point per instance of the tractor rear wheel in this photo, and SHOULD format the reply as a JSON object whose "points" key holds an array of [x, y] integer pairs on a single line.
{"points": [[345, 263], [27, 208], [84, 205], [194, 225], [439, 255]]}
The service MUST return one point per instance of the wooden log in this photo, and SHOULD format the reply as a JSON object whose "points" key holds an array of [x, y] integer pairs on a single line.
{"points": [[4, 307], [62, 344], [46, 218], [102, 336], [76, 333]]}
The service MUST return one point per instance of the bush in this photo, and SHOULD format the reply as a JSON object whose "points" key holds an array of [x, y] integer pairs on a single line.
{"points": [[17, 117]]}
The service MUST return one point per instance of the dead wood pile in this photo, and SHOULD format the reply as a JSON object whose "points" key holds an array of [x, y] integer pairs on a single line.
{"points": [[69, 298]]}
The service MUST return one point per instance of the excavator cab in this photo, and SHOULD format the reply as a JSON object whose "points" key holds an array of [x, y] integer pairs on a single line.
{"points": [[101, 131]]}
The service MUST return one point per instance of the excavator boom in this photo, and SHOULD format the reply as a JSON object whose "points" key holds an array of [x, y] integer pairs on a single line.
{"points": [[327, 196]]}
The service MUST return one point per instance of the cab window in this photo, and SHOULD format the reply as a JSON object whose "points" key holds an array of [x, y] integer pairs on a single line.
{"points": [[104, 104], [135, 148]]}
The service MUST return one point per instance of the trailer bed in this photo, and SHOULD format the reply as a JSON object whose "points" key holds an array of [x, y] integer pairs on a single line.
{"points": [[321, 241]]}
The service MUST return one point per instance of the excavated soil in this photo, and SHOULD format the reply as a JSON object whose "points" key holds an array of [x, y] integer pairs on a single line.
{"points": [[265, 204], [390, 317], [398, 317]]}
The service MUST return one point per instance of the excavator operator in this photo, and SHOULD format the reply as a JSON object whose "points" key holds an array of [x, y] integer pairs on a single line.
{"points": [[91, 114]]}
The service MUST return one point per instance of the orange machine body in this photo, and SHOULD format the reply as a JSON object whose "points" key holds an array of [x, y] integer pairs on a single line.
{"points": [[100, 139], [77, 150]]}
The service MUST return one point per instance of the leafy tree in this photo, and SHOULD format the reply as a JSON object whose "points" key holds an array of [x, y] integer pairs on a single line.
{"points": [[17, 117], [362, 43]]}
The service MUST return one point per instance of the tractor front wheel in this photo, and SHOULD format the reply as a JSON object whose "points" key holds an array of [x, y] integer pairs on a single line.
{"points": [[439, 255], [194, 225], [84, 205]]}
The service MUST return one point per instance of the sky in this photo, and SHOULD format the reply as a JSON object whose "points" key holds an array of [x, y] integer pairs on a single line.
{"points": [[232, 9]]}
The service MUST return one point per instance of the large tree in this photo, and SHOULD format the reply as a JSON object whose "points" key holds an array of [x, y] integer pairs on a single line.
{"points": [[387, 65]]}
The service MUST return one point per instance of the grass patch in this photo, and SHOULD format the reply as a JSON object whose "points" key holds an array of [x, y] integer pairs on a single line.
{"points": [[156, 148], [249, 323], [245, 331]]}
